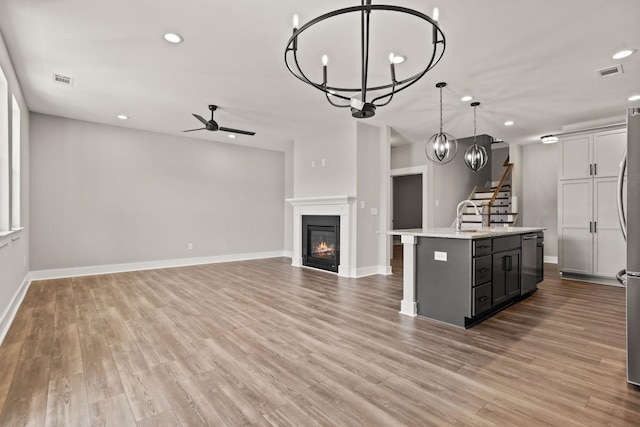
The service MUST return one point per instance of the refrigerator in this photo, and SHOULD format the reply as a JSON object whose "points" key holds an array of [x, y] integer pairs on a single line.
{"points": [[633, 245]]}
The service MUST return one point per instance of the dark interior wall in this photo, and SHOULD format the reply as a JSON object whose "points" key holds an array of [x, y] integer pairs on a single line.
{"points": [[451, 183], [407, 201]]}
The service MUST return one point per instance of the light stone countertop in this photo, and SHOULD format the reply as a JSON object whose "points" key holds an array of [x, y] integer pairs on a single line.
{"points": [[451, 233]]}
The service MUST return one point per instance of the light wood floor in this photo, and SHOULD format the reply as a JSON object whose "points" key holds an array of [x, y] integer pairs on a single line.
{"points": [[263, 343]]}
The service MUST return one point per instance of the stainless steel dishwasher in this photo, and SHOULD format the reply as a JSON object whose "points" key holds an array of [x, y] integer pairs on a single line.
{"points": [[529, 280]]}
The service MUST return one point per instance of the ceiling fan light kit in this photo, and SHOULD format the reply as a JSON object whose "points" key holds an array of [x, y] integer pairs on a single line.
{"points": [[442, 147], [475, 157], [212, 125], [363, 100]]}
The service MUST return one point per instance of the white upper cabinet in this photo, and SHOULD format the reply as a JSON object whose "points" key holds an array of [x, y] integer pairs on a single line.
{"points": [[608, 149], [576, 157], [596, 155]]}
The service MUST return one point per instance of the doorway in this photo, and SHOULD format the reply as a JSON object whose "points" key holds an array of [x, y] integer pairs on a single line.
{"points": [[407, 201]]}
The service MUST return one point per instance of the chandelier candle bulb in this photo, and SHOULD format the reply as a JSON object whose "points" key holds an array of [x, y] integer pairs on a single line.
{"points": [[296, 22], [392, 65], [436, 14], [325, 61]]}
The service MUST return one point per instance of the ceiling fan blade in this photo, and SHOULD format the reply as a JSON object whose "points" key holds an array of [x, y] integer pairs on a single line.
{"points": [[191, 130], [243, 132], [201, 119]]}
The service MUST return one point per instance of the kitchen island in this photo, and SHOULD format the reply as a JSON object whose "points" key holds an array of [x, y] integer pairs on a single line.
{"points": [[463, 277]]}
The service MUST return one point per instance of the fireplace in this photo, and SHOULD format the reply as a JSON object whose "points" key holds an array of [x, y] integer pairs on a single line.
{"points": [[321, 241]]}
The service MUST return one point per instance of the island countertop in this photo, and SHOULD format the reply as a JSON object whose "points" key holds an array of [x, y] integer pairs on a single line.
{"points": [[451, 233]]}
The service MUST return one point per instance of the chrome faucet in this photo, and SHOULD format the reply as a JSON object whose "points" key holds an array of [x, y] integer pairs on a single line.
{"points": [[459, 213]]}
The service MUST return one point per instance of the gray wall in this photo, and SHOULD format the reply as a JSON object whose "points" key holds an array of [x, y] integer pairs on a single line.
{"points": [[106, 195], [447, 184], [540, 192], [498, 156], [453, 182], [368, 187], [14, 257]]}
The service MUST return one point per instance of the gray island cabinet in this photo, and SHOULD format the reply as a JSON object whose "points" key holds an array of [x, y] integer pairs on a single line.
{"points": [[461, 278]]}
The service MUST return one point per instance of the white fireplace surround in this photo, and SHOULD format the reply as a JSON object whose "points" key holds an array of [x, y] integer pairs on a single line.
{"points": [[331, 205]]}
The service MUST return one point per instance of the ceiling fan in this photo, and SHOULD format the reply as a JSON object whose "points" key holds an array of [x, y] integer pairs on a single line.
{"points": [[213, 126]]}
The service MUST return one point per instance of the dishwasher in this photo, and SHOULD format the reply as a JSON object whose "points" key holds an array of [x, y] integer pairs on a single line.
{"points": [[529, 282]]}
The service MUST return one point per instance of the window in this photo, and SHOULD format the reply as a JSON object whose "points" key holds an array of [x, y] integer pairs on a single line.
{"points": [[15, 165], [4, 153]]}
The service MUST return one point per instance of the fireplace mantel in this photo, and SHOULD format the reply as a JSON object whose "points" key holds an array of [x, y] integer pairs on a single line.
{"points": [[326, 205]]}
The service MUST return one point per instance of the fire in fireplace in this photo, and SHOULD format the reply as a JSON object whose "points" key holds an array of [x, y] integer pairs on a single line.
{"points": [[321, 241]]}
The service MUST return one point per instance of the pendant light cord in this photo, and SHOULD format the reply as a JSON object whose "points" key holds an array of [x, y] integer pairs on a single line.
{"points": [[474, 123], [441, 110]]}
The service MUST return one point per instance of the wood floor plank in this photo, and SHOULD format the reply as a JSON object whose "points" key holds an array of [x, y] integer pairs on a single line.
{"points": [[67, 402], [113, 411], [261, 343]]}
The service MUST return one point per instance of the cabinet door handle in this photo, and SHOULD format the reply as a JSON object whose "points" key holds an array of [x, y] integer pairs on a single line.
{"points": [[590, 227], [590, 169], [482, 247], [483, 270], [508, 264], [483, 299], [595, 169], [595, 226]]}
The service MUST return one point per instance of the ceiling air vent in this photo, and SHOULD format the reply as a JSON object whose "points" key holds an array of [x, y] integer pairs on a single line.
{"points": [[62, 80], [610, 71]]}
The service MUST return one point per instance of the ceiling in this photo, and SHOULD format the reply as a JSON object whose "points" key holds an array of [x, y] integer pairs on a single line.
{"points": [[532, 62]]}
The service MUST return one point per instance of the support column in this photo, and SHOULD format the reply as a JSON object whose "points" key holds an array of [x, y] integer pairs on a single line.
{"points": [[408, 305]]}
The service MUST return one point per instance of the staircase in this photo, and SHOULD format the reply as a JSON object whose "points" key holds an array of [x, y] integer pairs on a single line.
{"points": [[497, 199]]}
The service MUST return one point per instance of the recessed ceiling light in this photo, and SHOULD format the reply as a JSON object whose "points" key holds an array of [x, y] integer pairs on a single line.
{"points": [[466, 98], [173, 38], [399, 59], [232, 136], [123, 117], [509, 123], [634, 98], [623, 53]]}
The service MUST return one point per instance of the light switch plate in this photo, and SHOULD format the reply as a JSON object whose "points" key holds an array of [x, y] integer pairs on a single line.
{"points": [[439, 256]]}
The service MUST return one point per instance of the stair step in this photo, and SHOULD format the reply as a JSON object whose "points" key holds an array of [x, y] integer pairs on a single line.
{"points": [[495, 209], [494, 218], [487, 196]]}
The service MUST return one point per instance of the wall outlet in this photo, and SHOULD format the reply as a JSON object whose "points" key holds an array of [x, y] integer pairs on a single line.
{"points": [[324, 162], [190, 246], [374, 211], [362, 204], [439, 256], [313, 163]]}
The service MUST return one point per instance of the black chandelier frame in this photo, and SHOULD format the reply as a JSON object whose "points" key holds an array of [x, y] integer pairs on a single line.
{"points": [[365, 108]]}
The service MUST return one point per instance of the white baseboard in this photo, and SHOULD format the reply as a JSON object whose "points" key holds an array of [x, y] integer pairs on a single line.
{"points": [[10, 313], [149, 265], [373, 270], [551, 259]]}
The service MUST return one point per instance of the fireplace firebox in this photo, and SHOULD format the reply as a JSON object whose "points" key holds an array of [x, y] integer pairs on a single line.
{"points": [[321, 241]]}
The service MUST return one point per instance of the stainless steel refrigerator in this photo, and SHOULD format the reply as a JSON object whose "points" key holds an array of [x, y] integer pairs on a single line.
{"points": [[633, 243]]}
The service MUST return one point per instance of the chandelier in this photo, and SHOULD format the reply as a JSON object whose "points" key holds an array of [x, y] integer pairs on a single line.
{"points": [[364, 99], [476, 155], [442, 147]]}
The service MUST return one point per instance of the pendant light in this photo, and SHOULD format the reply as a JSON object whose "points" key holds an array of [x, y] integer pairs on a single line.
{"points": [[442, 147], [475, 156], [369, 93]]}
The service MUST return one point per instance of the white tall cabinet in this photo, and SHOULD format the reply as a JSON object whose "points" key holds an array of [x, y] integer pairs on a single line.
{"points": [[590, 242]]}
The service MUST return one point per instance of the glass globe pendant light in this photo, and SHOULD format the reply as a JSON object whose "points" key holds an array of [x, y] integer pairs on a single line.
{"points": [[442, 147], [476, 155]]}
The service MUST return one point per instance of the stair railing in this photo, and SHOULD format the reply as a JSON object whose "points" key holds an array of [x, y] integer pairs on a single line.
{"points": [[505, 175]]}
